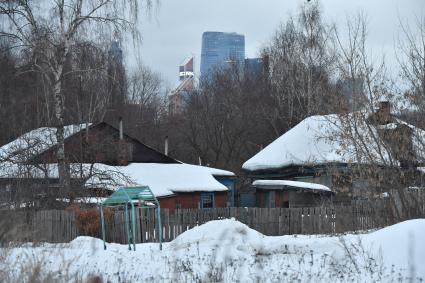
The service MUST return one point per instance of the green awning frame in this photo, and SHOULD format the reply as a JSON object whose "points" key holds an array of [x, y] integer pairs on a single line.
{"points": [[142, 197]]}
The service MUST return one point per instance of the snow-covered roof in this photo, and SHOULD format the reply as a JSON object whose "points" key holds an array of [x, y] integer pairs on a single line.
{"points": [[302, 144], [167, 179], [163, 179], [285, 184], [34, 142], [323, 139]]}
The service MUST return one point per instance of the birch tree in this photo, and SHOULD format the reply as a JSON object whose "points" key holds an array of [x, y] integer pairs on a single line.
{"points": [[49, 29], [301, 59]]}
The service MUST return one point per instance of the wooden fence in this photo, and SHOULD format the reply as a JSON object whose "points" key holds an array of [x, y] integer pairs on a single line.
{"points": [[62, 226]]}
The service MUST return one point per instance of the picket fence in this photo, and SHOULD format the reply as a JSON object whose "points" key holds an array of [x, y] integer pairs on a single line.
{"points": [[62, 226]]}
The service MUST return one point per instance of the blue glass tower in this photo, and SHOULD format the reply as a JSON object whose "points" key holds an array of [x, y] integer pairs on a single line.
{"points": [[219, 49]]}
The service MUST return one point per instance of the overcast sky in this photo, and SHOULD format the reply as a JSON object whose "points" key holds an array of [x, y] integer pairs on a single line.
{"points": [[174, 31]]}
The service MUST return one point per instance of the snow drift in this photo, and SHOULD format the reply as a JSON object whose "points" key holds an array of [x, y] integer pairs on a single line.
{"points": [[227, 251]]}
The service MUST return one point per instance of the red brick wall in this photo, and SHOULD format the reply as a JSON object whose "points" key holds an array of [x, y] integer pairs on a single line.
{"points": [[220, 199], [190, 200], [168, 202]]}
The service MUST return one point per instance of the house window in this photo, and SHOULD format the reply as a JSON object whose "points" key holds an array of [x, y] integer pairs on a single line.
{"points": [[207, 200]]}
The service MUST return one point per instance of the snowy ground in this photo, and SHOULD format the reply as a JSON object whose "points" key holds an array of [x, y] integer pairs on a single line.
{"points": [[229, 251]]}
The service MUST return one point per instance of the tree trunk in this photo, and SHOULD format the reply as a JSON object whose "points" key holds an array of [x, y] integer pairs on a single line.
{"points": [[63, 168]]}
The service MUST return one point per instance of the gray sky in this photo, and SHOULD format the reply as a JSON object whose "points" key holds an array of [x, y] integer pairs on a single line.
{"points": [[174, 31]]}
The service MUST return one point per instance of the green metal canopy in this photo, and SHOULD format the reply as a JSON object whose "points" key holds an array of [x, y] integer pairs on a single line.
{"points": [[130, 194], [142, 197]]}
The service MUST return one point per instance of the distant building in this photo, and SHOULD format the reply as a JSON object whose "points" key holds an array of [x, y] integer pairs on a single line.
{"points": [[116, 78], [219, 49], [115, 51], [179, 96], [186, 69]]}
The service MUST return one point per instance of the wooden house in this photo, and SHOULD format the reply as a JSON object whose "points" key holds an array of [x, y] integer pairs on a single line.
{"points": [[381, 150], [112, 158]]}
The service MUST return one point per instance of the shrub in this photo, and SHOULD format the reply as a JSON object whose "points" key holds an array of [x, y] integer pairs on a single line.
{"points": [[88, 220]]}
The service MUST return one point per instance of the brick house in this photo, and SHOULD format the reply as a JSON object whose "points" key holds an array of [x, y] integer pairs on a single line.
{"points": [[177, 186]]}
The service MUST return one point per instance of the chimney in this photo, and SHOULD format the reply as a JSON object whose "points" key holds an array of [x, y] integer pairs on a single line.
{"points": [[121, 129], [166, 146], [385, 107], [384, 112]]}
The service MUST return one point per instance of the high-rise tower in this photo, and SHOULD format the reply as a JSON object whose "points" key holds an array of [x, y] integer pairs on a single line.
{"points": [[220, 49], [180, 95]]}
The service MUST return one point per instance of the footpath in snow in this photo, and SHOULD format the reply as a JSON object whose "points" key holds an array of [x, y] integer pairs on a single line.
{"points": [[229, 251]]}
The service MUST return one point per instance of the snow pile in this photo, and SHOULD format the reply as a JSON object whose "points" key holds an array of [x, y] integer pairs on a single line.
{"points": [[280, 184], [228, 251]]}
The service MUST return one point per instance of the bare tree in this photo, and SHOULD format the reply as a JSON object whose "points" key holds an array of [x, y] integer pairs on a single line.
{"points": [[49, 30], [353, 64], [380, 147], [301, 59], [411, 57], [222, 124], [144, 86]]}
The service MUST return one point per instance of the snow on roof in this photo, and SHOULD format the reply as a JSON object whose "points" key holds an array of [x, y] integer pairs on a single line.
{"points": [[167, 179], [163, 179], [280, 184], [322, 139], [302, 144], [34, 142]]}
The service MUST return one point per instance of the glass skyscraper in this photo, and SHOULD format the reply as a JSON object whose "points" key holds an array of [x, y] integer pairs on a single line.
{"points": [[220, 49]]}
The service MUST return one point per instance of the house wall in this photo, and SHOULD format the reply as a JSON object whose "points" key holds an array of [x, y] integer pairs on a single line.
{"points": [[302, 199], [191, 200], [230, 183], [291, 198]]}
